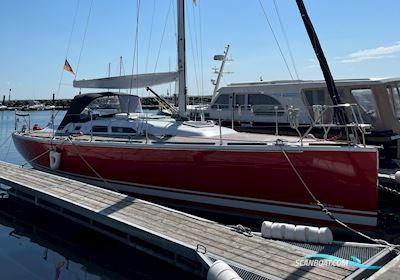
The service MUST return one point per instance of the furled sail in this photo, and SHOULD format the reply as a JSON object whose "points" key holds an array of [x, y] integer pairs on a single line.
{"points": [[128, 81]]}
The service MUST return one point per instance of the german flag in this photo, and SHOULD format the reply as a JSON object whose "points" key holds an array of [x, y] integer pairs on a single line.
{"points": [[68, 67]]}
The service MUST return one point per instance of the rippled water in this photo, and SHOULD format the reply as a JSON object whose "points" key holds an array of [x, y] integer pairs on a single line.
{"points": [[35, 244]]}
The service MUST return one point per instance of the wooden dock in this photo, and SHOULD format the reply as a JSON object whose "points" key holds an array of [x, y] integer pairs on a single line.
{"points": [[190, 242]]}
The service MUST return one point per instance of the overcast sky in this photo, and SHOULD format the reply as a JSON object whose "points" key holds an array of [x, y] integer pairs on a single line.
{"points": [[361, 38]]}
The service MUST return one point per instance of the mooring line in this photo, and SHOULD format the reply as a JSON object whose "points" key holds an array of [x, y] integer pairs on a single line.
{"points": [[325, 210]]}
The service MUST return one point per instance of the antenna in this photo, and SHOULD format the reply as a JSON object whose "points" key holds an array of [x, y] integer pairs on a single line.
{"points": [[223, 58]]}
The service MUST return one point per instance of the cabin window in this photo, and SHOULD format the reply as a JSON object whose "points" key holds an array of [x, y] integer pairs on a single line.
{"points": [[262, 104], [366, 101], [117, 129], [78, 127], [105, 105], [99, 128], [262, 99], [221, 102], [110, 105], [239, 100], [315, 97]]}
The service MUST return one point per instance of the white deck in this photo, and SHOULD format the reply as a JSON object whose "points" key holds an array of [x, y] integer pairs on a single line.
{"points": [[237, 138]]}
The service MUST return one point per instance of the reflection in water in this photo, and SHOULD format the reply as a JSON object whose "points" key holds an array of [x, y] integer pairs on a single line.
{"points": [[37, 244], [58, 266]]}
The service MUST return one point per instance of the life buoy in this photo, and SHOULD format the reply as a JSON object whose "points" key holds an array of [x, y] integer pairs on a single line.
{"points": [[55, 160]]}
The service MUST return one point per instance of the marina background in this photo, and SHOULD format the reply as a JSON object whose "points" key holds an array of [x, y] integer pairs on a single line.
{"points": [[360, 38]]}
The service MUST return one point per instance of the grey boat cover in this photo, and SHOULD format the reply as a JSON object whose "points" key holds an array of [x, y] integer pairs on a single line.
{"points": [[128, 81]]}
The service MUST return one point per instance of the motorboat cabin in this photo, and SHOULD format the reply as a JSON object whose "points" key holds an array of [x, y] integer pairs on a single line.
{"points": [[264, 105]]}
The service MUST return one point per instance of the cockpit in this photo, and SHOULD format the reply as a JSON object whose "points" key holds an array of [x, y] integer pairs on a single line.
{"points": [[86, 107]]}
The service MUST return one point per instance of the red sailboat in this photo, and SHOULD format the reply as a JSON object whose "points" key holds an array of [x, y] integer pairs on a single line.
{"points": [[106, 139]]}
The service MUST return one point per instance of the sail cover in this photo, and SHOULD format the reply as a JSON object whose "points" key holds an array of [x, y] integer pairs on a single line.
{"points": [[129, 81]]}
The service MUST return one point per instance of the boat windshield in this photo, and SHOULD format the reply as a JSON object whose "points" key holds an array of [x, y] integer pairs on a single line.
{"points": [[397, 93], [394, 92], [109, 105], [366, 102]]}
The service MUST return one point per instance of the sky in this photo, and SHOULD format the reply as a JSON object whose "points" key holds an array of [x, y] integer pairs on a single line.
{"points": [[361, 38]]}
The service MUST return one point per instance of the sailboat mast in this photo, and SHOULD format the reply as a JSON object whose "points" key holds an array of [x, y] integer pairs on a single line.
{"points": [[181, 59], [330, 83]]}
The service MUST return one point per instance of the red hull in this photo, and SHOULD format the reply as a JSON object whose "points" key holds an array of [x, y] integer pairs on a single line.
{"points": [[258, 183]]}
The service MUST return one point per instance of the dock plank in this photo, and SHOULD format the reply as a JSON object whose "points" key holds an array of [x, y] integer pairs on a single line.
{"points": [[256, 253]]}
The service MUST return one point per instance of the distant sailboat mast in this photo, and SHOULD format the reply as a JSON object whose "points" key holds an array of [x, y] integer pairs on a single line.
{"points": [[182, 90]]}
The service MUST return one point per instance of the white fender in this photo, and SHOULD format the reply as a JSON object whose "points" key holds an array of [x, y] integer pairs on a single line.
{"points": [[397, 177], [276, 231], [300, 233], [55, 160], [288, 231], [266, 229], [219, 270], [296, 232], [312, 234], [325, 236]]}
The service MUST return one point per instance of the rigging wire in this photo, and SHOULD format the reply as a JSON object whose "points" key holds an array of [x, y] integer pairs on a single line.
{"points": [[81, 50], [90, 166], [275, 38], [84, 38], [174, 16], [68, 45], [162, 36], [5, 141], [8, 151], [150, 36], [67, 52], [136, 47], [201, 55], [192, 46], [286, 39], [197, 45]]}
